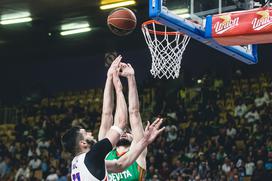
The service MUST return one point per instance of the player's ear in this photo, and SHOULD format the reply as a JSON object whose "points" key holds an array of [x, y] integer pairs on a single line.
{"points": [[82, 143]]}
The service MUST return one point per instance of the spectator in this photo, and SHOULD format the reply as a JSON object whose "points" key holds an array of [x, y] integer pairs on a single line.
{"points": [[227, 166], [260, 174], [240, 109], [165, 170], [231, 131], [203, 168], [221, 154], [23, 173], [249, 166], [45, 166], [213, 164], [62, 174], [252, 116], [53, 176], [150, 172], [43, 144], [261, 99], [178, 168], [35, 163], [268, 163], [171, 132], [5, 166]]}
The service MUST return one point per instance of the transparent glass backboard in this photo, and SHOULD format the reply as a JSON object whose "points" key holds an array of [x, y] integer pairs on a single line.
{"points": [[197, 10]]}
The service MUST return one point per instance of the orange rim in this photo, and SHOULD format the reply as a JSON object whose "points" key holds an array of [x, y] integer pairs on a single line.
{"points": [[145, 24]]}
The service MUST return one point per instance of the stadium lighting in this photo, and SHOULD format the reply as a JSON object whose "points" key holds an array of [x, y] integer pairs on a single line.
{"points": [[17, 15], [75, 28], [199, 81], [15, 21], [118, 4], [75, 25], [75, 31], [13, 18]]}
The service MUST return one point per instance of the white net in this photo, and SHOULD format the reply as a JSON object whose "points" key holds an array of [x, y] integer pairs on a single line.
{"points": [[166, 49]]}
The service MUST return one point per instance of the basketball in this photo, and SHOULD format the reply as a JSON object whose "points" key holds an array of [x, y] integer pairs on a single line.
{"points": [[121, 21]]}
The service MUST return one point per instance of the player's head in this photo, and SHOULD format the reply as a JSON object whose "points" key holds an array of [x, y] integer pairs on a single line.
{"points": [[77, 140], [126, 138]]}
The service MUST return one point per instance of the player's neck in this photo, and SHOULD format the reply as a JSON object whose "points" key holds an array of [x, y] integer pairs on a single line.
{"points": [[82, 151], [122, 149]]}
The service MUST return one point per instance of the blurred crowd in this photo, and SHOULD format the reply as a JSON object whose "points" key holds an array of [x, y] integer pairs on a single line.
{"points": [[215, 131]]}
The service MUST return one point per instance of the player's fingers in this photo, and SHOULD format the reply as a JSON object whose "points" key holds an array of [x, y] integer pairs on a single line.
{"points": [[160, 130], [147, 126], [123, 65], [117, 60], [114, 64], [155, 122], [159, 123]]}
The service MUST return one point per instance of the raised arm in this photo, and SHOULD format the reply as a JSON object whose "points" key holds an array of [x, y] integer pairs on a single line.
{"points": [[134, 111], [94, 159], [108, 98], [120, 118], [151, 132]]}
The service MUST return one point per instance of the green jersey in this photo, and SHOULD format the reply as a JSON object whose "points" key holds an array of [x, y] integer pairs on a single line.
{"points": [[133, 173]]}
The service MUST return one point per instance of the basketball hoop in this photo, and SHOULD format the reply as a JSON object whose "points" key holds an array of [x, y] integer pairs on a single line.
{"points": [[166, 48]]}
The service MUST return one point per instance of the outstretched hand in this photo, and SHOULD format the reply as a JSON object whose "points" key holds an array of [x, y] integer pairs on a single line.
{"points": [[126, 70], [114, 66], [152, 131]]}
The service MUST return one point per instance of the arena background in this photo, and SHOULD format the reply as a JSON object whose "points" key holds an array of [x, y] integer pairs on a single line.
{"points": [[36, 64]]}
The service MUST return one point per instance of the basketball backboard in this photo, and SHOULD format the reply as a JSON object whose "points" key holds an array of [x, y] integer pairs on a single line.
{"points": [[197, 10], [191, 16]]}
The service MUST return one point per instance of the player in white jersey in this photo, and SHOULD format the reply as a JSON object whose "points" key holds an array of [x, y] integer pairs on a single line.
{"points": [[89, 161]]}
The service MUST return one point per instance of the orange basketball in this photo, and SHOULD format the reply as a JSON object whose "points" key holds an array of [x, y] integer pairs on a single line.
{"points": [[122, 21]]}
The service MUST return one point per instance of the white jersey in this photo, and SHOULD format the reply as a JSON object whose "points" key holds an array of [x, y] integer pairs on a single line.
{"points": [[79, 171]]}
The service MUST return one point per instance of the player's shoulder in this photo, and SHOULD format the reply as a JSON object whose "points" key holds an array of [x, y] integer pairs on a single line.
{"points": [[79, 157], [112, 154]]}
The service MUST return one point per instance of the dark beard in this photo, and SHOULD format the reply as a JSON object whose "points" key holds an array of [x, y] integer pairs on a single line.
{"points": [[123, 142]]}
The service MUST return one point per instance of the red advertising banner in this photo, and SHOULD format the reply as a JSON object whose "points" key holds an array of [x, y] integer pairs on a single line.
{"points": [[243, 25]]}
